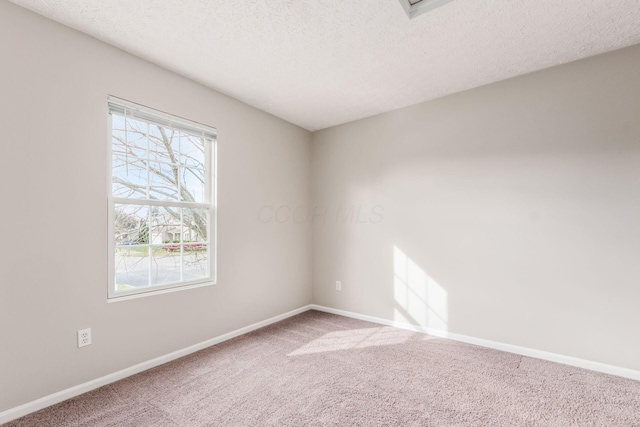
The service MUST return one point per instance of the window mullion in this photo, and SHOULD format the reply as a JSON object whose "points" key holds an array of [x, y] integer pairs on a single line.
{"points": [[162, 203]]}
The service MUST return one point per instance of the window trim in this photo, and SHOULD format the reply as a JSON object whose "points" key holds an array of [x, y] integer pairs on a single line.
{"points": [[178, 123]]}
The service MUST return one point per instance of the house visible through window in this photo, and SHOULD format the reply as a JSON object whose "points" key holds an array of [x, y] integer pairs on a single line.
{"points": [[162, 200]]}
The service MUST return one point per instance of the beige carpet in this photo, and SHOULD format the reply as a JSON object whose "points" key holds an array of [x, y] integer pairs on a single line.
{"points": [[317, 369]]}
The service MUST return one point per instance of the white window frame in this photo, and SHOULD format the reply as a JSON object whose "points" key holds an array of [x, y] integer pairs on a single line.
{"points": [[143, 113]]}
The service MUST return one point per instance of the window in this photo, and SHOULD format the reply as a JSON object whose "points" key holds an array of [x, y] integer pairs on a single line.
{"points": [[161, 200]]}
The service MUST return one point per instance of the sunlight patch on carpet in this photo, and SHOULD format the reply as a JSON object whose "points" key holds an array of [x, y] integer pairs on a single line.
{"points": [[353, 339]]}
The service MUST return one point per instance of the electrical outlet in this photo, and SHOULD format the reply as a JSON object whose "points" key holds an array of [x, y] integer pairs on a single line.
{"points": [[84, 337], [338, 285]]}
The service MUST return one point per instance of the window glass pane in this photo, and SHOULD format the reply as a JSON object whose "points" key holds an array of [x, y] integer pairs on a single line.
{"points": [[131, 225], [194, 227], [195, 262], [192, 151], [128, 137], [193, 181], [129, 180], [132, 267], [135, 133], [162, 181], [165, 264], [118, 138], [165, 225], [164, 144]]}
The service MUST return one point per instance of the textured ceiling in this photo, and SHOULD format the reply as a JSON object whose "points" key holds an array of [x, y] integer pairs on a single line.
{"points": [[319, 63]]}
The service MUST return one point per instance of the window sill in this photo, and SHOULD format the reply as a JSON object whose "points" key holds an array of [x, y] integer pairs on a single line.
{"points": [[159, 291]]}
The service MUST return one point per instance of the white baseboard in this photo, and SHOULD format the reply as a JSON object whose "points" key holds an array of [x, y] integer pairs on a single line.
{"points": [[524, 351], [52, 399]]}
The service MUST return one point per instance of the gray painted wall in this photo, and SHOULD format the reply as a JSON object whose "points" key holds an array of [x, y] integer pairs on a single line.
{"points": [[54, 84], [510, 212]]}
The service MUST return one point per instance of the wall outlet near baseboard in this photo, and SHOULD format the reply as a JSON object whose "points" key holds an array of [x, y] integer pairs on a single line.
{"points": [[338, 285], [84, 337]]}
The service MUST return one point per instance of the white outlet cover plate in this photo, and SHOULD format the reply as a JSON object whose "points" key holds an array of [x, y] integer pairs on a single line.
{"points": [[84, 337]]}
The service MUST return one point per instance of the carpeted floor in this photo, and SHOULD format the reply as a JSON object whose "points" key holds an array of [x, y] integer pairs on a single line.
{"points": [[318, 369]]}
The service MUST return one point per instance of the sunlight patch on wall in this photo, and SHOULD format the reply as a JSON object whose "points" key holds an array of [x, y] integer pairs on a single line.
{"points": [[419, 299]]}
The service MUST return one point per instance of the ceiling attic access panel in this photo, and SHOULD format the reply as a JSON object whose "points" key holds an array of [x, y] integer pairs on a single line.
{"points": [[418, 7]]}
